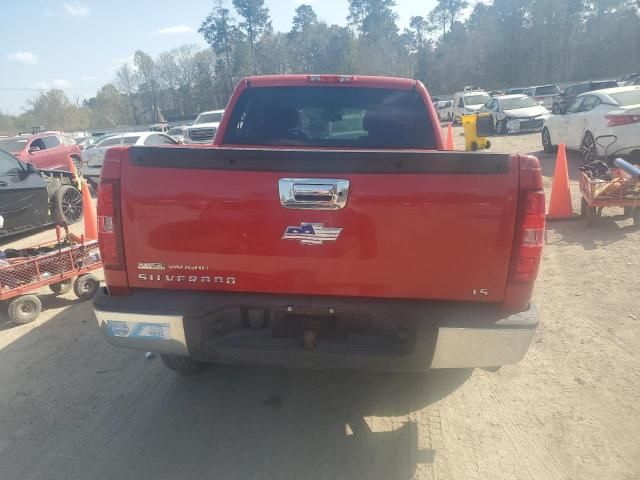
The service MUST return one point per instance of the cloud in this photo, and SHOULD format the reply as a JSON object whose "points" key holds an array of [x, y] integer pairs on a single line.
{"points": [[41, 85], [61, 83], [76, 9], [182, 28], [116, 63], [24, 57]]}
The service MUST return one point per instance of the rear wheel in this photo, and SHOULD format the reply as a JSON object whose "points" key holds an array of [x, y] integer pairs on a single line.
{"points": [[24, 309], [181, 364], [86, 286], [546, 141], [66, 205], [62, 287], [588, 149]]}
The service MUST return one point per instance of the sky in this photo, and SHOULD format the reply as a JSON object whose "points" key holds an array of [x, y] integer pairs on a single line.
{"points": [[78, 45]]}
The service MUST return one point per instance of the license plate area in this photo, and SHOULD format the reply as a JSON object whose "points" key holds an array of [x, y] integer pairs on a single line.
{"points": [[296, 323]]}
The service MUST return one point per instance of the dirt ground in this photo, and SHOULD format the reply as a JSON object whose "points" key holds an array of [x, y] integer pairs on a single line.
{"points": [[75, 408]]}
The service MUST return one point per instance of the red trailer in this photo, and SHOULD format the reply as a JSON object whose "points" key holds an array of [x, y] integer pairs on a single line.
{"points": [[56, 268]]}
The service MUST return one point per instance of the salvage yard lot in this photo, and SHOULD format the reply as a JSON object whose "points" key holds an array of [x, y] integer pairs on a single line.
{"points": [[74, 407]]}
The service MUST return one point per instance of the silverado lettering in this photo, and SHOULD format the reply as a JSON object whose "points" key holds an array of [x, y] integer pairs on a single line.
{"points": [[396, 254], [186, 278]]}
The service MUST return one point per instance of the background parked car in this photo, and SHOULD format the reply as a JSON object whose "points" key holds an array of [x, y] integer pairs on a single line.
{"points": [[572, 91], [514, 91], [613, 111], [629, 79], [91, 142], [204, 128], [32, 198], [94, 157], [48, 150], [546, 94], [178, 132], [516, 113], [443, 108], [470, 101]]}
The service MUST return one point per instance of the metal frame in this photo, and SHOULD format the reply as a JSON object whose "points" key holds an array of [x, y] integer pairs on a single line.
{"points": [[77, 269], [625, 195]]}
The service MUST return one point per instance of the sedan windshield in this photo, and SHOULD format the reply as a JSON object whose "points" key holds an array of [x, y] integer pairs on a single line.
{"points": [[630, 97], [209, 118], [515, 103], [13, 145], [477, 99]]}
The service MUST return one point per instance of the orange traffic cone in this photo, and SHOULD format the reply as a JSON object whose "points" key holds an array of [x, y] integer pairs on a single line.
{"points": [[89, 213], [560, 203], [73, 170], [449, 144]]}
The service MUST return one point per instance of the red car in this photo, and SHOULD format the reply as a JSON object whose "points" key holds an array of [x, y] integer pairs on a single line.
{"points": [[325, 226], [46, 151]]}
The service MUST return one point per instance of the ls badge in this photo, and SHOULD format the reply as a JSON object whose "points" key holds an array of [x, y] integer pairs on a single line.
{"points": [[311, 234]]}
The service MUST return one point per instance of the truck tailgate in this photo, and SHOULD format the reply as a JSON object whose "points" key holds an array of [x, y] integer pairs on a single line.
{"points": [[416, 224]]}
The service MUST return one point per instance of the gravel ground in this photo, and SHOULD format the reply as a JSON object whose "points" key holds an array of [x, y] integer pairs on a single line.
{"points": [[75, 408]]}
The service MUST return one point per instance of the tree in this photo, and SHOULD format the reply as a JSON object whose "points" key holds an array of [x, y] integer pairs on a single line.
{"points": [[256, 21], [373, 19], [7, 124], [418, 46], [109, 108], [304, 17], [149, 85], [53, 110], [223, 36], [417, 32], [127, 83]]}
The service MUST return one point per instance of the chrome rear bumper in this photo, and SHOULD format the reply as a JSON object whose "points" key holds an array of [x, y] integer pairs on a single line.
{"points": [[453, 336]]}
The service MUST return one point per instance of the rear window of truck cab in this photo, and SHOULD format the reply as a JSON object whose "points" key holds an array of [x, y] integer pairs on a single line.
{"points": [[320, 116]]}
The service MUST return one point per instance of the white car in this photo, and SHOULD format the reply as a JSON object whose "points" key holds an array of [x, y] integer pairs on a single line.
{"points": [[204, 128], [469, 101], [516, 113], [92, 159], [612, 111], [442, 109]]}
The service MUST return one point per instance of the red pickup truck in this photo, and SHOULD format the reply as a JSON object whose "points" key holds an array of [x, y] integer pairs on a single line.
{"points": [[324, 227]]}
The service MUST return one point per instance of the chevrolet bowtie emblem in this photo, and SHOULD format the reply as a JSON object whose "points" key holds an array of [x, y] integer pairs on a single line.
{"points": [[311, 234]]}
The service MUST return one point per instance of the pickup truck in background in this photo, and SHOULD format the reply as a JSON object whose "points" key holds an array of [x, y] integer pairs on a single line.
{"points": [[204, 128], [325, 227]]}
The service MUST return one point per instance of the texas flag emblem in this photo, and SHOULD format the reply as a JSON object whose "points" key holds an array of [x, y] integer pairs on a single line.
{"points": [[311, 234]]}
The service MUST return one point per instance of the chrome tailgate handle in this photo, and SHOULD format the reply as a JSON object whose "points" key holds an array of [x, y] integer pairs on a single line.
{"points": [[313, 193]]}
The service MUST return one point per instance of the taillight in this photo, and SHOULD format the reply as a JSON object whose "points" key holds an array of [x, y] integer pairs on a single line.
{"points": [[109, 235], [617, 120], [531, 237]]}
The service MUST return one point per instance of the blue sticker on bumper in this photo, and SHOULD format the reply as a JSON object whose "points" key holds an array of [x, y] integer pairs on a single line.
{"points": [[117, 328]]}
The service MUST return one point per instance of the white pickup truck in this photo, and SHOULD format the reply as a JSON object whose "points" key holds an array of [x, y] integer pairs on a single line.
{"points": [[469, 101], [204, 128]]}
